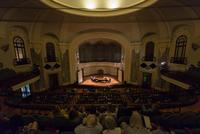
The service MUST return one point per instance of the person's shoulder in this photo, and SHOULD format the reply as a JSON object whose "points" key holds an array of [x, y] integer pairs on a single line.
{"points": [[99, 126], [78, 129], [118, 130], [80, 126], [144, 131]]}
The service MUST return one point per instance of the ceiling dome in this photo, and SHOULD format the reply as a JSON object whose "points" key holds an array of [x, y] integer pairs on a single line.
{"points": [[98, 8]]}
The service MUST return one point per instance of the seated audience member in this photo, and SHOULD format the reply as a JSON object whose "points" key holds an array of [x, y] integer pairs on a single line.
{"points": [[64, 113], [110, 111], [89, 126], [150, 109], [82, 112], [110, 126], [31, 128], [135, 125], [59, 112], [73, 114], [74, 118]]}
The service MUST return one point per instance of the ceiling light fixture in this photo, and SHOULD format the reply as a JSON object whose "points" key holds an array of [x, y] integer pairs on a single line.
{"points": [[90, 4], [98, 8]]}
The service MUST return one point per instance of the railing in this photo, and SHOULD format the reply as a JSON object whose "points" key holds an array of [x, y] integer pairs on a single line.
{"points": [[22, 61], [153, 59], [51, 59], [178, 60]]}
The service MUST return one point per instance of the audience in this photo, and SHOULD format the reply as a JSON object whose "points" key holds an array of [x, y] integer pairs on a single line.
{"points": [[135, 125], [31, 128], [89, 126], [100, 117], [110, 125]]}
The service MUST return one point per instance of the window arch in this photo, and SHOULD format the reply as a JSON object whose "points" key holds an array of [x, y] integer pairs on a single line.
{"points": [[20, 51], [50, 52], [180, 49], [149, 51]]}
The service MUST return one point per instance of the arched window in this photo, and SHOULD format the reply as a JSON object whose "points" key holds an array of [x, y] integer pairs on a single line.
{"points": [[50, 52], [20, 51], [149, 51], [180, 49]]}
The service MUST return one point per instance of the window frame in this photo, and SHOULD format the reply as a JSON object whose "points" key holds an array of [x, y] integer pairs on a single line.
{"points": [[180, 50], [149, 57], [20, 51], [181, 44], [50, 47]]}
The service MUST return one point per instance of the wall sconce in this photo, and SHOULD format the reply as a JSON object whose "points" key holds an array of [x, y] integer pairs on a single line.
{"points": [[195, 46], [5, 47]]}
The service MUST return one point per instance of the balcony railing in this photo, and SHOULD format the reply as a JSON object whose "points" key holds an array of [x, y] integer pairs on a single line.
{"points": [[153, 59], [51, 59], [22, 61], [178, 60]]}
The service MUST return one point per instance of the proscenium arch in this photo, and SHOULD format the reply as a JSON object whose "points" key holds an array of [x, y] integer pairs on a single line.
{"points": [[80, 39]]}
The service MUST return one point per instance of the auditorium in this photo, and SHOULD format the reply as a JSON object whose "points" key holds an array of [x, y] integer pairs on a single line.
{"points": [[99, 66]]}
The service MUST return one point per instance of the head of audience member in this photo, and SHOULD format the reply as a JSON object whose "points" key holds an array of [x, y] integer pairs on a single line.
{"points": [[82, 109], [91, 120], [110, 122], [73, 114], [136, 120]]}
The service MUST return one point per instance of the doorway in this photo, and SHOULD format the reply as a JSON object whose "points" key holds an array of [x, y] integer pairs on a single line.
{"points": [[146, 80], [53, 81]]}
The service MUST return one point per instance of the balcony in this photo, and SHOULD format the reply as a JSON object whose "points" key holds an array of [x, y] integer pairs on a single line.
{"points": [[178, 60], [51, 59], [17, 80], [151, 59], [22, 61]]}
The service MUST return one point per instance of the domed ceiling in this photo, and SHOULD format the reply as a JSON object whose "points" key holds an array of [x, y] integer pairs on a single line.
{"points": [[42, 11], [98, 7]]}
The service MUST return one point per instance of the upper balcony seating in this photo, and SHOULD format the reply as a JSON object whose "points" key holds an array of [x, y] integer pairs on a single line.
{"points": [[9, 77], [190, 77]]}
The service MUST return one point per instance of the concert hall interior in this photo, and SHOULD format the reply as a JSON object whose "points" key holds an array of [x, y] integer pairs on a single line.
{"points": [[91, 66]]}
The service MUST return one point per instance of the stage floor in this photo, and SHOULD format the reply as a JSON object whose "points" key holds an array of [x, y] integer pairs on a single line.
{"points": [[113, 81]]}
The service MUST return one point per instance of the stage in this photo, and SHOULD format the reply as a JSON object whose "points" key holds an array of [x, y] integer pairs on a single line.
{"points": [[100, 81]]}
